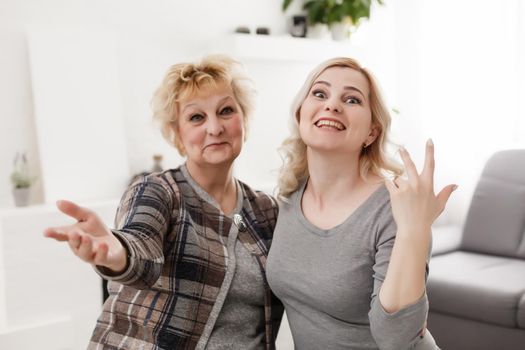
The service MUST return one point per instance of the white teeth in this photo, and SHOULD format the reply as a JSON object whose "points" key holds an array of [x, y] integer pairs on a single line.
{"points": [[330, 123]]}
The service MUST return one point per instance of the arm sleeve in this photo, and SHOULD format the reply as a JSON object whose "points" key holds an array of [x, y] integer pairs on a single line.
{"points": [[142, 221], [398, 330]]}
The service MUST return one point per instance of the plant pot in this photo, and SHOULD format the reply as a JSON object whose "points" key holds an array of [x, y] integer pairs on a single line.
{"points": [[340, 31], [21, 196], [318, 31]]}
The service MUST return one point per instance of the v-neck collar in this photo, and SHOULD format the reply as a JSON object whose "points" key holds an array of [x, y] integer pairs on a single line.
{"points": [[339, 227]]}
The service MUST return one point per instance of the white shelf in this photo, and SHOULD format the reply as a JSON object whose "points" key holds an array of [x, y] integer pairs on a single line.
{"points": [[287, 48], [45, 209]]}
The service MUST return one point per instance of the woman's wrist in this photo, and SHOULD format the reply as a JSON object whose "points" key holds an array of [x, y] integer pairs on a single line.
{"points": [[121, 264], [416, 232], [119, 261]]}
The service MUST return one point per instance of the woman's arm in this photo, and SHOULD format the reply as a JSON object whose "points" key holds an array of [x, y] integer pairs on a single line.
{"points": [[131, 254], [414, 207], [400, 329]]}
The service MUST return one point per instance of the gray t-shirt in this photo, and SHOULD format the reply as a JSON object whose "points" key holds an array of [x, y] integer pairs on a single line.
{"points": [[240, 324], [237, 318], [329, 280]]}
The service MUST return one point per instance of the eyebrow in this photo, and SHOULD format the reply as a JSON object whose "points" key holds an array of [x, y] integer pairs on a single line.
{"points": [[194, 103], [348, 87]]}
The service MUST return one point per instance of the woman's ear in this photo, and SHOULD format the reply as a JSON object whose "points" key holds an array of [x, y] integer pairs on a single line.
{"points": [[373, 134]]}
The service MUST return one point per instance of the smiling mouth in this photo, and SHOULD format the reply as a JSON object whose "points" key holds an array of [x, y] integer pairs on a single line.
{"points": [[216, 144], [329, 124]]}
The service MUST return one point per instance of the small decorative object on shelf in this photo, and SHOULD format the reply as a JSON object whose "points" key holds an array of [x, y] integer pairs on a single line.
{"points": [[21, 180], [298, 26], [157, 163], [156, 168], [340, 16], [262, 31], [242, 30], [318, 31]]}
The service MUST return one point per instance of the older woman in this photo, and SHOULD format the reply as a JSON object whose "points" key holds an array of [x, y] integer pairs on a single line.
{"points": [[186, 261], [350, 248]]}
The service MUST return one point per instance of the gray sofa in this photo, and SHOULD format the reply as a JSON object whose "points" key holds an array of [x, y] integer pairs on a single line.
{"points": [[476, 291]]}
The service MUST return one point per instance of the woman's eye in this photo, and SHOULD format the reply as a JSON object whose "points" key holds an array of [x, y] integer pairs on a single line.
{"points": [[227, 110], [195, 118], [353, 100], [318, 94]]}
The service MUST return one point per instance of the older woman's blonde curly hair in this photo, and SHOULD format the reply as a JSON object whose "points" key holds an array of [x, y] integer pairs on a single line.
{"points": [[373, 158], [184, 80]]}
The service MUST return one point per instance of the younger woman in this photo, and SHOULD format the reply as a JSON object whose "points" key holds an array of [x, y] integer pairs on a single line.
{"points": [[350, 248]]}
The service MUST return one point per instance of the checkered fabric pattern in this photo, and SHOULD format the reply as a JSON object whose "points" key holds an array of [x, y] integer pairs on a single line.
{"points": [[177, 264]]}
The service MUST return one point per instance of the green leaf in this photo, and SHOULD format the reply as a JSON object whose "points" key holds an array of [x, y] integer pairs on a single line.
{"points": [[286, 4], [317, 11]]}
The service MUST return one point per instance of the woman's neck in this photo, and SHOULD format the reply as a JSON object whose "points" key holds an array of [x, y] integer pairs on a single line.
{"points": [[217, 181], [335, 189], [332, 176]]}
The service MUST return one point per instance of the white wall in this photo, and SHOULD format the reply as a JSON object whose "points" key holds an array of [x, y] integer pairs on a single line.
{"points": [[434, 60], [471, 93], [453, 69], [151, 37]]}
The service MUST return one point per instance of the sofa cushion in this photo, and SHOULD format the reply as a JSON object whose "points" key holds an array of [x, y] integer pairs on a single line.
{"points": [[496, 217], [494, 223], [479, 287], [521, 312]]}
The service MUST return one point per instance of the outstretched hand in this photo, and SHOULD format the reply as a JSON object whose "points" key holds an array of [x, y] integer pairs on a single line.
{"points": [[414, 204], [89, 238]]}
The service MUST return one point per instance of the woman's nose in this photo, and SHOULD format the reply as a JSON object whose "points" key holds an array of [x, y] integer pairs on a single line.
{"points": [[331, 105], [214, 126]]}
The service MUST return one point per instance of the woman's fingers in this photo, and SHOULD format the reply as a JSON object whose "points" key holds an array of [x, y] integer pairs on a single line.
{"points": [[74, 241], [409, 164], [396, 183], [75, 211], [444, 195], [428, 170], [85, 249], [82, 245], [55, 234], [63, 230]]}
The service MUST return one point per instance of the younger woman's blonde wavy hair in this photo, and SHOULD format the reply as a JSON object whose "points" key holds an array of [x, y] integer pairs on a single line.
{"points": [[373, 158], [184, 80]]}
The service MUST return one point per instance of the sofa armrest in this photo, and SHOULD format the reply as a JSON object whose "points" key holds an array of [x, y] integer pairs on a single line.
{"points": [[445, 238]]}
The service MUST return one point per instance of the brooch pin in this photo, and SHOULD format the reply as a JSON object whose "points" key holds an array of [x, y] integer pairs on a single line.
{"points": [[237, 220]]}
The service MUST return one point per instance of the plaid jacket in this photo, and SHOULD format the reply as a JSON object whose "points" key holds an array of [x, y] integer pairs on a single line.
{"points": [[177, 264]]}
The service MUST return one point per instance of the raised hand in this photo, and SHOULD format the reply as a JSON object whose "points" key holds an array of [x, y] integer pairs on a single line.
{"points": [[414, 204], [89, 238]]}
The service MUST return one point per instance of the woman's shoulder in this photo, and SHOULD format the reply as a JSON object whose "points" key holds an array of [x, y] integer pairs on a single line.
{"points": [[161, 185], [166, 179], [378, 193], [258, 197]]}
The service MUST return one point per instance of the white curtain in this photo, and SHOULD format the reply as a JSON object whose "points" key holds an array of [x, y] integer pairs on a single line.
{"points": [[458, 77]]}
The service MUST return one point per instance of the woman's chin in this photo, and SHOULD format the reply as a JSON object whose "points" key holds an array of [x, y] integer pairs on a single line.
{"points": [[219, 159], [325, 146]]}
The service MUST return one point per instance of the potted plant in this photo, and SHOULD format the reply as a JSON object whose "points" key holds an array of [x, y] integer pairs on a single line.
{"points": [[21, 180], [347, 14], [316, 15], [340, 15]]}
